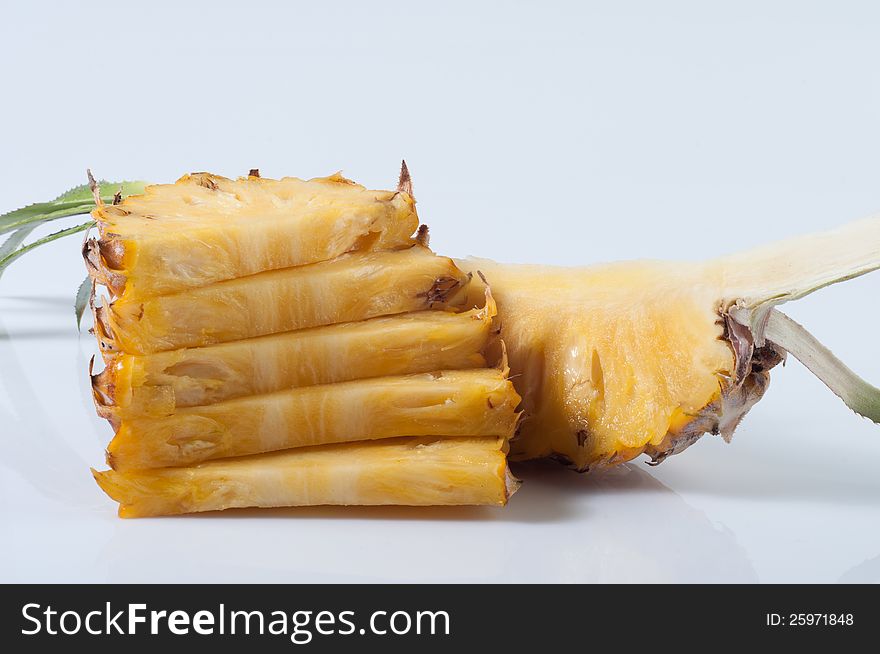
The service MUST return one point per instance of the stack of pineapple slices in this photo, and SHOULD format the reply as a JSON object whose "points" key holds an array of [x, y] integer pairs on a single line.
{"points": [[287, 342]]}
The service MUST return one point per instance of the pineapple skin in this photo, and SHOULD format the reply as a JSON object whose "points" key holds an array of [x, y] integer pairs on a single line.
{"points": [[352, 287], [399, 471], [235, 228], [613, 361], [478, 402], [424, 341]]}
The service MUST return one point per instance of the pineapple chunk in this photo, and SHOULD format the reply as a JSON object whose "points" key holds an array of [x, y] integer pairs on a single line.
{"points": [[609, 359], [458, 403], [405, 471], [350, 288], [423, 341], [206, 228], [617, 360]]}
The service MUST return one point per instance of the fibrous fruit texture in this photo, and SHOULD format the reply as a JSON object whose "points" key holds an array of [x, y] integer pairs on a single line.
{"points": [[206, 228], [289, 342], [617, 360], [410, 471], [272, 343]]}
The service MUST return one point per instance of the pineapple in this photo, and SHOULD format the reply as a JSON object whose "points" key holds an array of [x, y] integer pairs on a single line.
{"points": [[478, 402], [289, 342], [351, 287], [423, 341], [276, 343], [206, 228], [617, 360], [408, 471]]}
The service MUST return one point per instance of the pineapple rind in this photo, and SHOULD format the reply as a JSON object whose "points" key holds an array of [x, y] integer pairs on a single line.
{"points": [[206, 228], [399, 471], [408, 343], [350, 288], [479, 402]]}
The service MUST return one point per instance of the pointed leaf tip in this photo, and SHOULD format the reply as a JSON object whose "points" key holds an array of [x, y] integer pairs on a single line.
{"points": [[83, 294]]}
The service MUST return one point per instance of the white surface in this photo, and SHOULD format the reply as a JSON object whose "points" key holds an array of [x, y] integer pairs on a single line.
{"points": [[547, 132]]}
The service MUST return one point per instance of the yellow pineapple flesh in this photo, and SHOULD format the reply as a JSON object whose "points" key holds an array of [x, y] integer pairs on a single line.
{"points": [[617, 360], [422, 341], [206, 228], [480, 402], [351, 287], [404, 471], [281, 343]]}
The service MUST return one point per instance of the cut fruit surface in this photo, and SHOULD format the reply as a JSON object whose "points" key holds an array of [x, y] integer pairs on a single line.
{"points": [[350, 288], [608, 359], [206, 228], [404, 471], [617, 360], [478, 402], [422, 341]]}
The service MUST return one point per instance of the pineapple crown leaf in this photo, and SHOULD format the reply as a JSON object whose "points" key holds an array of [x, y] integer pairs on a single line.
{"points": [[73, 202], [83, 295], [15, 253], [76, 201]]}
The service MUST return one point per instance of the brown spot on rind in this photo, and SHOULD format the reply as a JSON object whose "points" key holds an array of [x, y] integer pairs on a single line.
{"points": [[254, 172], [423, 238], [743, 345], [723, 416], [204, 180], [441, 289], [94, 188], [404, 182], [101, 259]]}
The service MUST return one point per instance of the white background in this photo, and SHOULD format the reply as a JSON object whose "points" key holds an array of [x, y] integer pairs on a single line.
{"points": [[538, 132]]}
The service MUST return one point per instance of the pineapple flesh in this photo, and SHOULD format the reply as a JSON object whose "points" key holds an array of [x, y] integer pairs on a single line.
{"points": [[283, 343], [422, 341], [480, 402], [404, 471], [206, 228], [617, 360], [351, 287]]}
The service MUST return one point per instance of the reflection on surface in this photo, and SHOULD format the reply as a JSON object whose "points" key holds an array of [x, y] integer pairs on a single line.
{"points": [[40, 455], [561, 527], [633, 528], [867, 572]]}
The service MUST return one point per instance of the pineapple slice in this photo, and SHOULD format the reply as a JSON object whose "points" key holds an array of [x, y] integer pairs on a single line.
{"points": [[644, 357], [350, 288], [406, 471], [206, 228], [457, 403], [423, 341]]}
